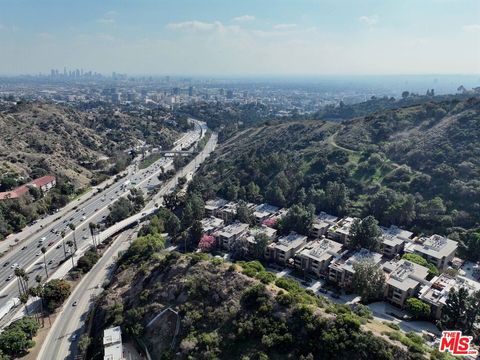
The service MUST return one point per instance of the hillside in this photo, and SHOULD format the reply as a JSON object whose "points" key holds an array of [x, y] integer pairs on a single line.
{"points": [[66, 142], [225, 314], [416, 167]]}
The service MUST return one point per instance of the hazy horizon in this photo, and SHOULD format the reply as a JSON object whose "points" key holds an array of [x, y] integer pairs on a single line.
{"points": [[248, 38]]}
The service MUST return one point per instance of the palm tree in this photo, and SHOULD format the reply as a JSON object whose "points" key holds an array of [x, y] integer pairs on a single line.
{"points": [[92, 227], [70, 245], [44, 250], [62, 234], [20, 274], [24, 301], [72, 226]]}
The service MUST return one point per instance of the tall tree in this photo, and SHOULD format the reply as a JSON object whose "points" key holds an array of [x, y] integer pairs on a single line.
{"points": [[366, 234], [44, 250], [368, 281]]}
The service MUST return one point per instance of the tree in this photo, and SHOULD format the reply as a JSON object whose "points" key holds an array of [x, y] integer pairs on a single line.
{"points": [[298, 219], [417, 259], [335, 197], [84, 343], [72, 226], [55, 292], [62, 234], [44, 251], [368, 281], [244, 213], [86, 262], [461, 311], [261, 242], [405, 94], [365, 234], [92, 226], [418, 308], [207, 243], [143, 248], [70, 245], [239, 249]]}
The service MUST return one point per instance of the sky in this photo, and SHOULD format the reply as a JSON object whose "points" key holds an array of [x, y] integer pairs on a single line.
{"points": [[241, 37]]}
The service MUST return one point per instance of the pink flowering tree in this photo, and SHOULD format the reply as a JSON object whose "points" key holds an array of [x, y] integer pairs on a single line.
{"points": [[207, 243], [270, 222]]}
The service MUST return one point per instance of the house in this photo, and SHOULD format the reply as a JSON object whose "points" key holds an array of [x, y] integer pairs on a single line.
{"points": [[44, 184], [404, 279], [322, 223], [341, 270], [263, 212], [227, 235], [340, 232], [436, 292], [436, 249], [211, 224], [394, 239], [112, 343], [317, 255], [286, 247], [212, 206]]}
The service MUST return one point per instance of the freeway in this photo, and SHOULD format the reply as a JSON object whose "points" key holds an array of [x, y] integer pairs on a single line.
{"points": [[62, 339], [95, 209]]}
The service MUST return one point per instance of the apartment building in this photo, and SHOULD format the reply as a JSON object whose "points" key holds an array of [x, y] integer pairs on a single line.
{"points": [[286, 247], [251, 235], [322, 223], [436, 292], [315, 257], [227, 212], [211, 224], [228, 234], [340, 231], [263, 212], [394, 239], [436, 249], [212, 206], [404, 279], [341, 270]]}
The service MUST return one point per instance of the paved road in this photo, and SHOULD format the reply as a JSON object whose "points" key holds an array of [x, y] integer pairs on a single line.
{"points": [[62, 340], [93, 210]]}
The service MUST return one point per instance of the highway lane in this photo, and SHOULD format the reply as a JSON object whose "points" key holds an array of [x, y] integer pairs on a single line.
{"points": [[62, 339], [93, 210]]}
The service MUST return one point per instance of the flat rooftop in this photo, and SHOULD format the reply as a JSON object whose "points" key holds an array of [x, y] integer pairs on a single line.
{"points": [[112, 335], [436, 246], [291, 241], [233, 229], [321, 250], [404, 274]]}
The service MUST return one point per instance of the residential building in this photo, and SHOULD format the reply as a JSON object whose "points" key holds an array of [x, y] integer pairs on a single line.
{"points": [[394, 239], [286, 247], [436, 292], [270, 233], [341, 270], [211, 224], [227, 235], [227, 212], [340, 231], [44, 184], [316, 256], [212, 206], [263, 212], [322, 223], [404, 279], [436, 249], [112, 344]]}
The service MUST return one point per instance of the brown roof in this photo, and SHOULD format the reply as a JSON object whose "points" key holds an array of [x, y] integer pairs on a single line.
{"points": [[44, 180]]}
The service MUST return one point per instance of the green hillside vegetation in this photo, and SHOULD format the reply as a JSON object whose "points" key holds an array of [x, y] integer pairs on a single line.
{"points": [[226, 314], [416, 167]]}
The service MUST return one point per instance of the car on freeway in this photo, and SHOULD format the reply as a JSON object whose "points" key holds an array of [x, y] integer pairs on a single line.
{"points": [[37, 254], [9, 277], [75, 303], [14, 266], [50, 262], [6, 263], [58, 246], [50, 243], [23, 248]]}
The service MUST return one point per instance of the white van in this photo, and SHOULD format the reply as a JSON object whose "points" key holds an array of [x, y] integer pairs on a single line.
{"points": [[41, 241]]}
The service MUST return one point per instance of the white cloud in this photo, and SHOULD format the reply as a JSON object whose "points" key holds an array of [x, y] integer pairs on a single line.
{"points": [[472, 28], [284, 26], [244, 18], [106, 21], [369, 20]]}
